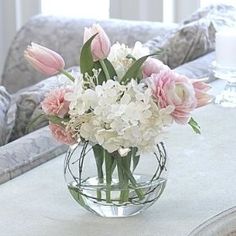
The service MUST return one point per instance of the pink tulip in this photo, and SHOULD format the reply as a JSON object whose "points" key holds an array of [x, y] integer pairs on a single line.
{"points": [[171, 89], [201, 89], [153, 66], [61, 135], [43, 59], [55, 103], [100, 46]]}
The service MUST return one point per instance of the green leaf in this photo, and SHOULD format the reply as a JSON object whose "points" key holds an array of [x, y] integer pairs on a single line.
{"points": [[86, 58], [57, 120], [113, 165], [135, 158], [133, 71], [110, 68], [109, 160], [120, 170], [108, 167], [76, 195], [194, 125], [99, 158], [34, 121], [129, 174]]}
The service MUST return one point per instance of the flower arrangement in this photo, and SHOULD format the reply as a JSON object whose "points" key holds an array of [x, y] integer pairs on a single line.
{"points": [[120, 102]]}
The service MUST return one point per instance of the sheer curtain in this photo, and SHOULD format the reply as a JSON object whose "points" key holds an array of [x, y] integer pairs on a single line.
{"points": [[13, 14], [153, 10], [7, 28], [77, 8], [207, 2]]}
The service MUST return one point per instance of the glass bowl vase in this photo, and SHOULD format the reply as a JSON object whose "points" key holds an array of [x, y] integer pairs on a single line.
{"points": [[115, 185]]}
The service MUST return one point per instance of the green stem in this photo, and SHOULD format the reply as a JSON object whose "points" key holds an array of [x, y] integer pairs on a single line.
{"points": [[68, 75], [108, 164], [123, 178], [99, 162], [138, 191], [105, 70], [126, 162], [135, 158], [126, 172]]}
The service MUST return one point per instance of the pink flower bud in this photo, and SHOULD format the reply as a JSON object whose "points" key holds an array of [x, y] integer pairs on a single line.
{"points": [[100, 46], [61, 135], [43, 59], [201, 88], [153, 66]]}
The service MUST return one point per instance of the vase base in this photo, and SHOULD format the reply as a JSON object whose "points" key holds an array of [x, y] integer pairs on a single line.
{"points": [[117, 202]]}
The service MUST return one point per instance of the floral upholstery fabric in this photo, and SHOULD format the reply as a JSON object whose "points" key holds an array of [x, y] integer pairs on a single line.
{"points": [[27, 152], [195, 37], [187, 43], [5, 101], [220, 15]]}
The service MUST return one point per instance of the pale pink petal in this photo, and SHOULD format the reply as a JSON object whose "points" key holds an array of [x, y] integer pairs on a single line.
{"points": [[153, 66], [55, 103], [61, 135], [170, 88], [44, 59], [201, 88], [100, 46]]}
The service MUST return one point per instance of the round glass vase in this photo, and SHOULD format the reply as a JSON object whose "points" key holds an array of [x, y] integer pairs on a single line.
{"points": [[118, 184]]}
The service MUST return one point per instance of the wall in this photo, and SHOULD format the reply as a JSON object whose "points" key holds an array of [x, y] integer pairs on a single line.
{"points": [[13, 14], [2, 56], [7, 28]]}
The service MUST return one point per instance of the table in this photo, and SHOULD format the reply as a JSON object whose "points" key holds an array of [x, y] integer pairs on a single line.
{"points": [[201, 183]]}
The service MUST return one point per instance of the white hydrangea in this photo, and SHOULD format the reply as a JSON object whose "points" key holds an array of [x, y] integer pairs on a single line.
{"points": [[139, 50], [118, 56], [117, 116]]}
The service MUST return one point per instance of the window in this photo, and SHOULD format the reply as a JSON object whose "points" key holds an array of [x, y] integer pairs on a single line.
{"points": [[77, 8], [208, 2]]}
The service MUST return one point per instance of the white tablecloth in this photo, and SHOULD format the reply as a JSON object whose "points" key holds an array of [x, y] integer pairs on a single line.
{"points": [[201, 183]]}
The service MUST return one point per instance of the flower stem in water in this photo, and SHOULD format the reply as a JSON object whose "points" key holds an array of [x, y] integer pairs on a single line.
{"points": [[108, 166]]}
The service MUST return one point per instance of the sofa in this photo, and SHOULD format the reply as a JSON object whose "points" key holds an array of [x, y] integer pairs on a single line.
{"points": [[23, 88]]}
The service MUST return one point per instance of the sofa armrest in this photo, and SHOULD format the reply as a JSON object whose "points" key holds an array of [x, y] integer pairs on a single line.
{"points": [[28, 152], [65, 35]]}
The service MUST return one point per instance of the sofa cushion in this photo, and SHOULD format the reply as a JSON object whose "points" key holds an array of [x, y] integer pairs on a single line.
{"points": [[220, 15], [186, 44], [5, 101], [195, 37], [198, 68]]}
